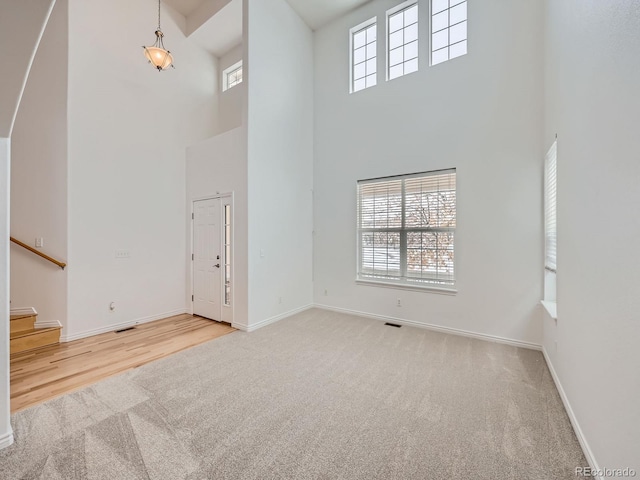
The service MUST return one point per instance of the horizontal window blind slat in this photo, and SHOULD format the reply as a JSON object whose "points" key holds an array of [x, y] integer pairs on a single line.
{"points": [[550, 207], [406, 228]]}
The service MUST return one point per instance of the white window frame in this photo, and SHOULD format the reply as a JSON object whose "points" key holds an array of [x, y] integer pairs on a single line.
{"points": [[404, 282], [550, 221], [448, 28], [352, 31], [227, 72], [390, 13]]}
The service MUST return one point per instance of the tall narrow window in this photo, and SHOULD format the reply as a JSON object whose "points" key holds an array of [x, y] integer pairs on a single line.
{"points": [[550, 217], [448, 30], [232, 76], [406, 229], [402, 42], [227, 255], [364, 46]]}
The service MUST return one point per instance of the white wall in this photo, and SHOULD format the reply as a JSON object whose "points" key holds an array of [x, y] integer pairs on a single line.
{"points": [[21, 30], [592, 78], [218, 166], [280, 159], [6, 434], [230, 106], [21, 26], [129, 127], [39, 177], [480, 113]]}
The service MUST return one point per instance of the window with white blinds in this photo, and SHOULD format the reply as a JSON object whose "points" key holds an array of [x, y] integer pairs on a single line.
{"points": [[550, 208], [406, 229]]}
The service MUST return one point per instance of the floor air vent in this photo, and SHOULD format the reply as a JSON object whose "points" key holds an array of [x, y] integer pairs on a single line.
{"points": [[125, 329], [393, 325]]}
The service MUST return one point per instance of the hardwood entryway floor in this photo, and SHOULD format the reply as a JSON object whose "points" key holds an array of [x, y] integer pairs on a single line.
{"points": [[48, 372]]}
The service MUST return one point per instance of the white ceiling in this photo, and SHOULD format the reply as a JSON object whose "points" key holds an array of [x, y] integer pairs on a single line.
{"points": [[320, 12], [216, 25], [184, 7], [221, 32], [315, 13]]}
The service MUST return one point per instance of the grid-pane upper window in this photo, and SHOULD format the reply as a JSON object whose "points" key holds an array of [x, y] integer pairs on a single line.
{"points": [[406, 229], [448, 30], [232, 76], [363, 56], [403, 41], [551, 231]]}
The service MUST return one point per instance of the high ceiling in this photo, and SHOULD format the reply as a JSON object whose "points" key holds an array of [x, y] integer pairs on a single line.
{"points": [[184, 7], [221, 32], [216, 25], [320, 12], [315, 13]]}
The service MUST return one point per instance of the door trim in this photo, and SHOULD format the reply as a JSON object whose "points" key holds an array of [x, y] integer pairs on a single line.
{"points": [[220, 196]]}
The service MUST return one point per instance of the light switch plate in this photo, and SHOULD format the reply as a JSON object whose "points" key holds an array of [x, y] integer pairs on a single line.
{"points": [[39, 242]]}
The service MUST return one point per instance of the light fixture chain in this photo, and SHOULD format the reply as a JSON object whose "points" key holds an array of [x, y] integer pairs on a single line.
{"points": [[159, 15]]}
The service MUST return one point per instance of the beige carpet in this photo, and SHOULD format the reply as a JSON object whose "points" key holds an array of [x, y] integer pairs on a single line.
{"points": [[317, 396]]}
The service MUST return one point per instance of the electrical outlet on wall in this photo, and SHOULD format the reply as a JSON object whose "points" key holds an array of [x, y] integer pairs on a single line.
{"points": [[279, 299], [399, 303], [326, 292]]}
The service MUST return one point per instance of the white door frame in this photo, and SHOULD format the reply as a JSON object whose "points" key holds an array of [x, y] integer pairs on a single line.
{"points": [[230, 315]]}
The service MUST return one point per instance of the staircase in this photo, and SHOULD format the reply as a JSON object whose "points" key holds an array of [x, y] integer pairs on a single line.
{"points": [[24, 334]]}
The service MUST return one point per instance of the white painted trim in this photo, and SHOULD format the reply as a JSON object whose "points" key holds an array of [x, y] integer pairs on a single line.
{"points": [[6, 440], [572, 416], [120, 326], [407, 286], [352, 31], [47, 324], [436, 328], [23, 311], [221, 197], [268, 321], [225, 75]]}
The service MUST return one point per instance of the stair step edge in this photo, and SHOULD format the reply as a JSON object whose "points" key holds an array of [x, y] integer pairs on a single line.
{"points": [[36, 331]]}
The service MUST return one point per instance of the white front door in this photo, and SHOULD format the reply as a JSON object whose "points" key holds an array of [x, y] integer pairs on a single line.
{"points": [[207, 264]]}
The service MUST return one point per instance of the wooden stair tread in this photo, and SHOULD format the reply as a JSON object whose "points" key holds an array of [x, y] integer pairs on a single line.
{"points": [[32, 331]]}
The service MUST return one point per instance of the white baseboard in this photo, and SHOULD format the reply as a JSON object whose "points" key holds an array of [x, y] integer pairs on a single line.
{"points": [[572, 417], [435, 328], [120, 326], [268, 321], [6, 440]]}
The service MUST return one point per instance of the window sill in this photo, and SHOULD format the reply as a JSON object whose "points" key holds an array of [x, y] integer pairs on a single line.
{"points": [[401, 286], [551, 308]]}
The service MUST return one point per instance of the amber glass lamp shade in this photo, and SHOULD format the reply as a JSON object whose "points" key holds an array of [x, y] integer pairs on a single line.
{"points": [[157, 55]]}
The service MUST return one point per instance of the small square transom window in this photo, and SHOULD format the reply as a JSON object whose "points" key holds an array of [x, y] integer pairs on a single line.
{"points": [[232, 76]]}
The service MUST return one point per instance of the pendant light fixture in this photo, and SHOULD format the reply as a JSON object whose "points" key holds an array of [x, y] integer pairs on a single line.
{"points": [[157, 55]]}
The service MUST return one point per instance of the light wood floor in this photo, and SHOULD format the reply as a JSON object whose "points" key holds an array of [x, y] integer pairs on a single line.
{"points": [[48, 372]]}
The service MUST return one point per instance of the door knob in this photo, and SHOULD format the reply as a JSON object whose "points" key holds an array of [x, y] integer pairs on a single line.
{"points": [[217, 265]]}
